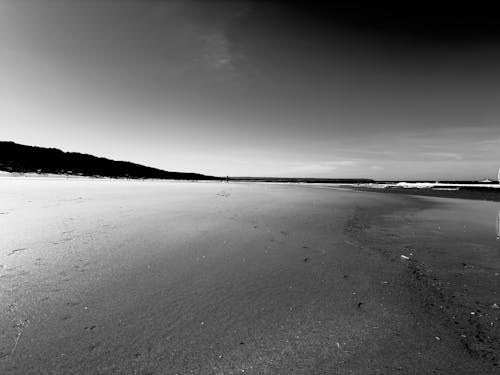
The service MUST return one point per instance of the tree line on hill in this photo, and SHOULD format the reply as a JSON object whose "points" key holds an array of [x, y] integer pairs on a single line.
{"points": [[19, 158]]}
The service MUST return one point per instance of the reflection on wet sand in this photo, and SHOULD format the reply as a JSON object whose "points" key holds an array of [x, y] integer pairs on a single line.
{"points": [[498, 225]]}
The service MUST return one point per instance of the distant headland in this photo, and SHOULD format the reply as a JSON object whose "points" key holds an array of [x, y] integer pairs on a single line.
{"points": [[17, 158]]}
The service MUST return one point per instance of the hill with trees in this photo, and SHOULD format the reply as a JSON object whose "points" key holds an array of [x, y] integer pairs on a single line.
{"points": [[19, 158]]}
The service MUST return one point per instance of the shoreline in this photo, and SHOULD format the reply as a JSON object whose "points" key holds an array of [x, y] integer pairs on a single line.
{"points": [[472, 193]]}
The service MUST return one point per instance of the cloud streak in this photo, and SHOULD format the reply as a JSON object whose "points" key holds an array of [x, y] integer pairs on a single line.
{"points": [[322, 167], [217, 54]]}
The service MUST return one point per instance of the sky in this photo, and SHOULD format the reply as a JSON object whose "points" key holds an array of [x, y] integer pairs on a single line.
{"points": [[267, 88]]}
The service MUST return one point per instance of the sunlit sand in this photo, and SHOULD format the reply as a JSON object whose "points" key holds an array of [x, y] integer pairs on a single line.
{"points": [[117, 276]]}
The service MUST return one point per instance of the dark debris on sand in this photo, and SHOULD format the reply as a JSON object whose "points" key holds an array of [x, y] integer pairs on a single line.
{"points": [[476, 323], [472, 320]]}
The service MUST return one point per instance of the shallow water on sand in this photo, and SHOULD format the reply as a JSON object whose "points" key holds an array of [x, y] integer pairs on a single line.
{"points": [[470, 225], [452, 256]]}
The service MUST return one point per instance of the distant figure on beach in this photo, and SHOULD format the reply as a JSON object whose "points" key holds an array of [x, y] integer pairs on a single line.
{"points": [[227, 179]]}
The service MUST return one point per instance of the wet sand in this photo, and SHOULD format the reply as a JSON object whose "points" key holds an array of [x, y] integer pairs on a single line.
{"points": [[135, 277], [464, 192]]}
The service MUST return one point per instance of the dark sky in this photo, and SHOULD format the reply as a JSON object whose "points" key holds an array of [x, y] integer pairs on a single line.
{"points": [[258, 88]]}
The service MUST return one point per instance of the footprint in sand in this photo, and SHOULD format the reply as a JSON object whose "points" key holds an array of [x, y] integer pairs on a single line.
{"points": [[13, 272], [94, 346], [313, 253], [80, 268], [17, 251]]}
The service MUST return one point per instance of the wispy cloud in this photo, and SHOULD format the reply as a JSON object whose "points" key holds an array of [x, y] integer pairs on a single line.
{"points": [[217, 54], [322, 166], [488, 144], [443, 155]]}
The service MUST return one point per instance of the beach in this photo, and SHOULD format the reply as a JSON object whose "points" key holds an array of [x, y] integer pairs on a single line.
{"points": [[103, 276]]}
